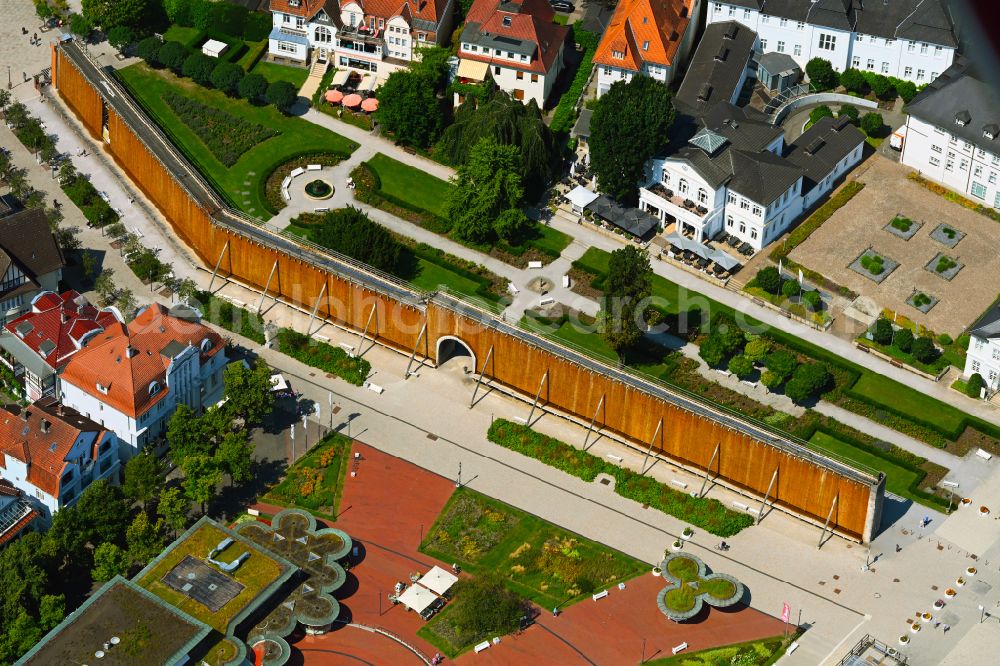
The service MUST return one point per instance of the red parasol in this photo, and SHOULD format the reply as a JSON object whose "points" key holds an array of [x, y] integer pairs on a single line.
{"points": [[352, 100], [370, 105], [334, 96]]}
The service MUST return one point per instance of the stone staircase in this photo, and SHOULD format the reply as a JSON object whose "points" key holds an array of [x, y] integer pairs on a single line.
{"points": [[316, 72]]}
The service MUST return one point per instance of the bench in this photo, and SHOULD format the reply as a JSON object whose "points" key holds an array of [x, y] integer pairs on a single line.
{"points": [[792, 648], [374, 387], [347, 348], [296, 172], [284, 193], [741, 505], [612, 456], [482, 646], [321, 338], [411, 151], [949, 484], [600, 595], [321, 210], [253, 512], [679, 648], [534, 264], [548, 300], [286, 182], [565, 280], [512, 289], [983, 454], [680, 484], [314, 167]]}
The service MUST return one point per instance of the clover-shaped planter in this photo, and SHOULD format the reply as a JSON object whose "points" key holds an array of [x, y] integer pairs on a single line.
{"points": [[692, 587]]}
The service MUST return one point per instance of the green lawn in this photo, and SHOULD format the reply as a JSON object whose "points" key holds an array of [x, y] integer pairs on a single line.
{"points": [[272, 72], [177, 33], [412, 186], [752, 653], [538, 560], [295, 136], [551, 239], [891, 350], [595, 261], [897, 397], [316, 481], [897, 478]]}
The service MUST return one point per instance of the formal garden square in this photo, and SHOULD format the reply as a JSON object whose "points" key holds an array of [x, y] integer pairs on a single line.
{"points": [[903, 227], [873, 265], [944, 266], [947, 235], [922, 301]]}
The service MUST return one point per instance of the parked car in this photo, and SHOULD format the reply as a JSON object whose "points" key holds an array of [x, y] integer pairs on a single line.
{"points": [[562, 6]]}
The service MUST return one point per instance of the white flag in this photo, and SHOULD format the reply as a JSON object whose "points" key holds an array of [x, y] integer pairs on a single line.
{"points": [[293, 431], [779, 267], [800, 277], [329, 396]]}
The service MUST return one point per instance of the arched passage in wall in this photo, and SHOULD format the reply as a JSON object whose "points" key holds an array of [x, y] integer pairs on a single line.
{"points": [[449, 347]]}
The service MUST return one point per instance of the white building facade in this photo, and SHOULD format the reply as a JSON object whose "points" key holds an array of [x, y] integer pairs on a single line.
{"points": [[912, 40]]}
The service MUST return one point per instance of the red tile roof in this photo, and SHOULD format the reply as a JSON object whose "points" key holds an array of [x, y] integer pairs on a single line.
{"points": [[127, 364], [427, 10], [656, 24], [530, 21], [41, 437], [305, 8], [61, 322]]}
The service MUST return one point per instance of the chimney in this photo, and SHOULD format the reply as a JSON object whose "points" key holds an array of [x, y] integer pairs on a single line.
{"points": [[64, 316], [59, 408], [130, 351], [25, 414], [45, 425]]}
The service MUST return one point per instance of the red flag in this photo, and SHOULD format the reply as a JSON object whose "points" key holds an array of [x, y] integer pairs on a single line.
{"points": [[785, 610]]}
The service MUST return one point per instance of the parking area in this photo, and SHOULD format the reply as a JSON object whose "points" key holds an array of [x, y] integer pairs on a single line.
{"points": [[861, 224]]}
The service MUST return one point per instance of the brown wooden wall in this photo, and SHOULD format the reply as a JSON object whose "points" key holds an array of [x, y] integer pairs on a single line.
{"points": [[802, 487], [78, 93]]}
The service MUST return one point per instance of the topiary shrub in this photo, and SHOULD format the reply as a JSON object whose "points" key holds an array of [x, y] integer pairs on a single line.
{"points": [[253, 87], [148, 49], [813, 299], [850, 111], [819, 113], [882, 331], [790, 288], [172, 56], [903, 340], [808, 380], [781, 363], [975, 386], [281, 94], [741, 366], [769, 279], [199, 68], [945, 339], [756, 350], [871, 123], [821, 74], [924, 350], [853, 80]]}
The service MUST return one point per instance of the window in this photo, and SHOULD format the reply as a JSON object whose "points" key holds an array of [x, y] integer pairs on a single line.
{"points": [[911, 46], [744, 204], [885, 67], [797, 49], [936, 149], [949, 165], [718, 7], [975, 366], [756, 210], [784, 23], [506, 21], [682, 186], [993, 178], [753, 234], [496, 69], [800, 25], [729, 222], [889, 42], [963, 164], [923, 48], [934, 161], [746, 14], [645, 45], [617, 54], [731, 198], [871, 64], [510, 55], [781, 47], [732, 10], [858, 37], [996, 353], [977, 171], [996, 200], [607, 71], [996, 159], [743, 228], [287, 47], [871, 39], [907, 72], [764, 18], [299, 21], [666, 177], [534, 78], [856, 62], [938, 50], [763, 45], [827, 42], [702, 196], [520, 75], [978, 190], [920, 75]]}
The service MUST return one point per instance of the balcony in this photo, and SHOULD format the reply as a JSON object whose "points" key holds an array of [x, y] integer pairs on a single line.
{"points": [[668, 196], [361, 40]]}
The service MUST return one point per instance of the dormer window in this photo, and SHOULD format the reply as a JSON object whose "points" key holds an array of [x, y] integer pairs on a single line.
{"points": [[963, 118], [154, 388], [645, 45], [618, 54], [990, 131], [102, 389], [206, 345], [506, 21]]}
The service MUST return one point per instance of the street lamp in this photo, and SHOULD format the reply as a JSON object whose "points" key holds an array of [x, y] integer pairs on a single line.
{"points": [[9, 85], [982, 611]]}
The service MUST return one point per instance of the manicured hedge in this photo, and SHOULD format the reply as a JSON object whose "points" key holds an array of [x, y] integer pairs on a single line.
{"points": [[708, 514], [230, 317], [226, 135], [323, 356], [565, 114]]}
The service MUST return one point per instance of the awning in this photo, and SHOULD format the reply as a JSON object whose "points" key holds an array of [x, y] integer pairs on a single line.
{"points": [[340, 77], [334, 96], [636, 222], [438, 580], [379, 80], [703, 251], [417, 598], [472, 69], [367, 83], [581, 197], [278, 383]]}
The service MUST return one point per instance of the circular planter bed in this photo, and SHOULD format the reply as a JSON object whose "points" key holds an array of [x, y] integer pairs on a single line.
{"points": [[657, 571], [692, 587], [984, 511], [915, 627], [950, 593], [966, 501], [971, 571], [939, 604], [960, 582], [319, 189], [904, 640]]}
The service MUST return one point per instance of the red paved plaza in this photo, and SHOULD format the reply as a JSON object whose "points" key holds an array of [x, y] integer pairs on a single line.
{"points": [[390, 504]]}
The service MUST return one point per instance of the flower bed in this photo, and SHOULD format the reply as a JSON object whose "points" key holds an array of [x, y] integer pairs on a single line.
{"points": [[947, 235], [323, 356], [691, 587], [903, 227], [226, 135], [873, 266]]}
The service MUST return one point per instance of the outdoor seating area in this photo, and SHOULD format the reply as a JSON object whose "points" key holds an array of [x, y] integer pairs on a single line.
{"points": [[427, 594], [700, 257], [353, 91]]}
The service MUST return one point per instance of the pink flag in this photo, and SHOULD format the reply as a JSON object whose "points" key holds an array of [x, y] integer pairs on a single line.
{"points": [[785, 610]]}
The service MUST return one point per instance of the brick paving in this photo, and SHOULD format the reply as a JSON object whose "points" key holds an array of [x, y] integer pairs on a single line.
{"points": [[859, 225]]}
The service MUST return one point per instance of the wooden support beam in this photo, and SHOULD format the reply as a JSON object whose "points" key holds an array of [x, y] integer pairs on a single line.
{"points": [[763, 505], [590, 428], [364, 333], [657, 432], [708, 471], [833, 505], [541, 384], [422, 334], [217, 264], [263, 295], [479, 380], [319, 299]]}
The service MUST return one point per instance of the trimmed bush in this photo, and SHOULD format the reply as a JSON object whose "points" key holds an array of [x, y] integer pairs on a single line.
{"points": [[944, 339], [281, 95], [882, 331], [227, 77], [903, 340], [924, 350], [975, 386], [227, 136], [871, 123], [172, 55], [741, 366], [148, 49], [850, 111], [199, 68], [565, 113], [813, 300], [323, 356], [853, 80], [757, 349], [814, 221], [808, 380], [769, 279], [821, 74], [781, 363], [789, 288], [819, 113], [253, 87]]}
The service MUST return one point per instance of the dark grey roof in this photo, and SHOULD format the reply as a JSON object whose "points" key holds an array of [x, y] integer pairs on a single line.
{"points": [[988, 326], [778, 63], [636, 222], [930, 22], [821, 147], [473, 35], [25, 237], [839, 14], [744, 127], [8, 204], [761, 176], [716, 67], [582, 126], [959, 93]]}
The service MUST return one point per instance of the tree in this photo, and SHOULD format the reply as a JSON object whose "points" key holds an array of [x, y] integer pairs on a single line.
{"points": [[173, 55], [882, 331], [741, 366], [850, 111], [350, 231], [488, 184], [104, 285], [853, 80], [179, 11], [187, 290], [819, 113], [99, 515], [771, 380], [249, 392], [627, 289], [813, 299], [173, 509], [253, 87], [881, 86], [235, 456], [201, 476], [821, 74], [484, 606], [769, 279], [903, 340], [144, 539], [136, 14], [512, 225], [712, 352], [199, 67], [120, 37], [42, 9], [126, 303], [974, 388], [410, 109], [629, 125], [22, 634], [89, 264], [907, 90], [281, 95], [80, 25], [790, 288], [807, 380], [757, 349], [781, 363], [924, 350], [143, 477], [871, 124], [109, 561], [149, 49], [51, 611], [227, 77], [23, 578], [4, 101], [186, 435], [725, 329]]}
